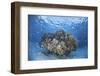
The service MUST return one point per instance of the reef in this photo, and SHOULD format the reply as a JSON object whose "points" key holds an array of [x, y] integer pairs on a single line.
{"points": [[58, 42]]}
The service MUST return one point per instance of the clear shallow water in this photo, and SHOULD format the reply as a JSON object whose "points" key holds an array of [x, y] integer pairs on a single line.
{"points": [[37, 25]]}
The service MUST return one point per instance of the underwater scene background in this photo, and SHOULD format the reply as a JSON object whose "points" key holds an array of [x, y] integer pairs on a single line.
{"points": [[40, 24]]}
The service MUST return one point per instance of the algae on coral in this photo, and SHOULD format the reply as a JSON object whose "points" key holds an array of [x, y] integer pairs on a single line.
{"points": [[58, 42]]}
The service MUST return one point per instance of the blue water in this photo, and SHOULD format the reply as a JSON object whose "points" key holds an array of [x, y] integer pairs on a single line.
{"points": [[38, 25]]}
